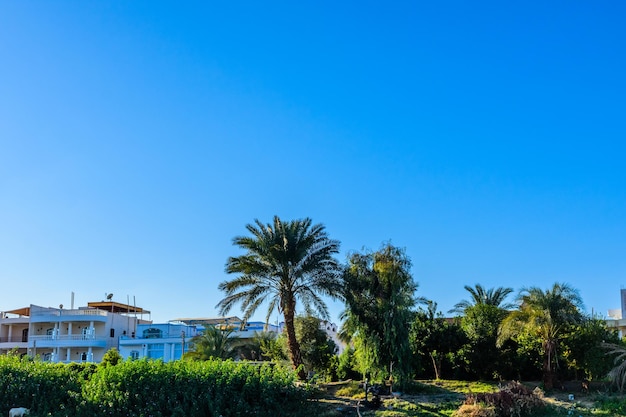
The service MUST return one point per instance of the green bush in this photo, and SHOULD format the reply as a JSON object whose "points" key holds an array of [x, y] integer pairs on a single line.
{"points": [[513, 399], [143, 388], [148, 388], [42, 387]]}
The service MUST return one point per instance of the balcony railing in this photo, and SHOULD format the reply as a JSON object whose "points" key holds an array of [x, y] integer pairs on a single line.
{"points": [[12, 339], [78, 312], [64, 337]]}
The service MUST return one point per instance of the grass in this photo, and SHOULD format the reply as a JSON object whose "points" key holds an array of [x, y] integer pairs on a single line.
{"points": [[442, 398]]}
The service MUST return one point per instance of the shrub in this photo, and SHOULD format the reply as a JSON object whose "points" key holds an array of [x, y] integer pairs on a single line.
{"points": [[475, 410], [513, 399]]}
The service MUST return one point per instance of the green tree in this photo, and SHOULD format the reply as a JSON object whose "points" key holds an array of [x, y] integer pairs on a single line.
{"points": [[481, 296], [266, 346], [433, 339], [213, 343], [111, 358], [316, 347], [547, 316], [618, 373], [285, 262], [379, 293], [481, 354], [583, 351]]}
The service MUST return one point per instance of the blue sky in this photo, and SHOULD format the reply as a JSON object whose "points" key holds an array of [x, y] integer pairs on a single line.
{"points": [[138, 138]]}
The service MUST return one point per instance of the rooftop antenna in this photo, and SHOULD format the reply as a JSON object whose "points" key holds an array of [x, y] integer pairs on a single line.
{"points": [[109, 296]]}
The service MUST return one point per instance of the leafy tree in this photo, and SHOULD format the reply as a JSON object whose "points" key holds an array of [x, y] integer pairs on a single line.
{"points": [[347, 366], [618, 373], [111, 358], [379, 293], [547, 316], [284, 262], [213, 343], [480, 296], [265, 346], [434, 339], [316, 347], [583, 350], [480, 323]]}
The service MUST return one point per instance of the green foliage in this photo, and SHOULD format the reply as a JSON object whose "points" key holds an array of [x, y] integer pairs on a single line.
{"points": [[583, 351], [494, 297], [111, 358], [143, 388], [213, 343], [353, 389], [617, 375], [316, 347], [434, 340], [482, 358], [514, 399], [615, 406], [266, 346], [39, 386], [285, 262], [347, 366], [546, 316], [379, 293]]}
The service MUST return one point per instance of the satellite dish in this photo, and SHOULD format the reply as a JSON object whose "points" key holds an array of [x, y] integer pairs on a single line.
{"points": [[109, 296]]}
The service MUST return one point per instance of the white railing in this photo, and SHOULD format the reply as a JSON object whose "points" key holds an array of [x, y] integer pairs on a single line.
{"points": [[79, 312], [64, 337]]}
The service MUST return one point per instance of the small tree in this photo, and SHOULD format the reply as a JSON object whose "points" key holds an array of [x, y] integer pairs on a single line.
{"points": [[547, 316], [618, 374], [213, 343], [111, 358], [316, 347], [433, 338]]}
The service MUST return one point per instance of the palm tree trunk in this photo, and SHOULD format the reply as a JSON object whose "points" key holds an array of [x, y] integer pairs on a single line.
{"points": [[436, 365], [292, 342], [548, 379]]}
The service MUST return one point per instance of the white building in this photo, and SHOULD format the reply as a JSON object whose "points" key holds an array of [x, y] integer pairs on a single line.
{"points": [[165, 341], [617, 317], [169, 341], [70, 335]]}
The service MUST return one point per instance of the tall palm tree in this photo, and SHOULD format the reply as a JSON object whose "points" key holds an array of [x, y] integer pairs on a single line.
{"points": [[547, 316], [480, 296], [284, 262]]}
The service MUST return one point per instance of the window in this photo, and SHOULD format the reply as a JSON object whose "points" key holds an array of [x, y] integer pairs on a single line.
{"points": [[155, 350], [134, 354], [152, 333], [83, 356], [112, 332]]}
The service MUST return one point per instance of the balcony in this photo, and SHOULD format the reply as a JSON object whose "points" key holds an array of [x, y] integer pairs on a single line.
{"points": [[67, 340], [55, 315]]}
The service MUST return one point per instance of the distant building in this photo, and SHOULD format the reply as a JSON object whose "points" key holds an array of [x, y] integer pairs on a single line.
{"points": [[71, 335], [616, 318], [332, 332], [169, 341]]}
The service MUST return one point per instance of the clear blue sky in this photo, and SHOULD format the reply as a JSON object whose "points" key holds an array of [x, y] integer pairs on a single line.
{"points": [[138, 138]]}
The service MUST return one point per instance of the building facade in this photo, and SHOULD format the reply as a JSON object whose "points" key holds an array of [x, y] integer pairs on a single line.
{"points": [[68, 335]]}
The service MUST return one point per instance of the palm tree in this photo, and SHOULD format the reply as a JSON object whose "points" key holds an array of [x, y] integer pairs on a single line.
{"points": [[480, 296], [545, 315], [213, 343], [618, 373], [285, 262]]}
